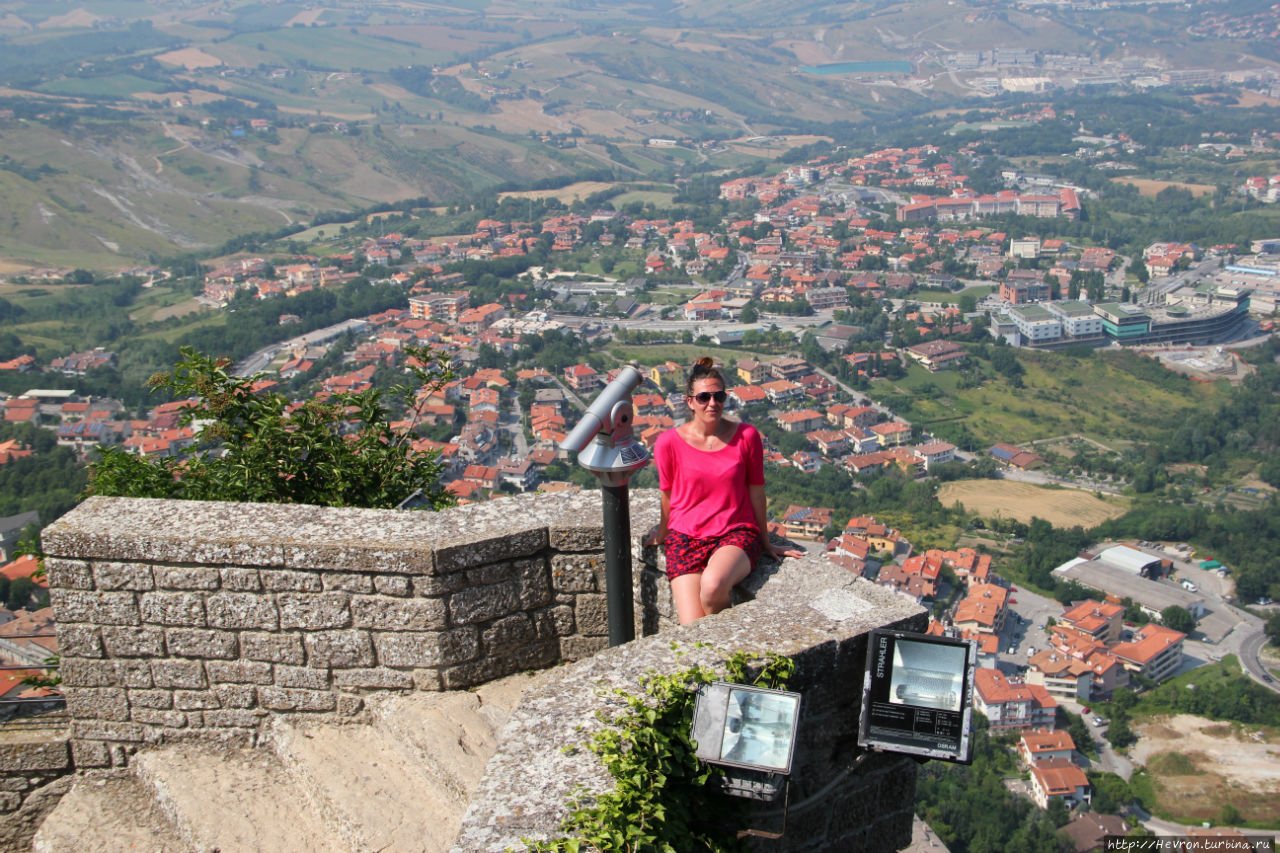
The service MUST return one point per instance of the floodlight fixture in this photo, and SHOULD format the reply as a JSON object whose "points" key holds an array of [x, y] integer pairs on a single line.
{"points": [[917, 695], [749, 731]]}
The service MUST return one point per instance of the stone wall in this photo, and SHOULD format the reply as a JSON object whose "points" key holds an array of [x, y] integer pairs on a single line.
{"points": [[185, 619], [33, 765], [806, 609], [202, 620]]}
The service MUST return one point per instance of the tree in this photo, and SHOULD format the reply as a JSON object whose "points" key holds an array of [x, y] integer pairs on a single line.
{"points": [[1273, 629], [1178, 618], [258, 446]]}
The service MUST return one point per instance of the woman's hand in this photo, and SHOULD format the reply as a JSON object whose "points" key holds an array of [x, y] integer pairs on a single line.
{"points": [[780, 552], [653, 537]]}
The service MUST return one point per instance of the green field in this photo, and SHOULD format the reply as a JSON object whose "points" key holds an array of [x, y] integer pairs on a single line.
{"points": [[1107, 397], [949, 297], [322, 47], [109, 86]]}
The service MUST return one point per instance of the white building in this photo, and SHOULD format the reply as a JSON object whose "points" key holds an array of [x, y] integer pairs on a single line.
{"points": [[1078, 318], [1035, 323]]}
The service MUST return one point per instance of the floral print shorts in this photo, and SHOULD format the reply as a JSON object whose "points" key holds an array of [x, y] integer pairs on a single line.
{"points": [[688, 555]]}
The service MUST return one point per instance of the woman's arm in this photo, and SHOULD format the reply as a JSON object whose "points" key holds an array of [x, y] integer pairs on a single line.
{"points": [[659, 533], [762, 522]]}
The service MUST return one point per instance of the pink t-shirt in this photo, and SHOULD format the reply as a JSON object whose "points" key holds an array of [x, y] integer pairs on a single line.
{"points": [[709, 489]]}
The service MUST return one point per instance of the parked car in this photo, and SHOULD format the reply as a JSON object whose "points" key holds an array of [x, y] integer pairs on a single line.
{"points": [[1099, 722]]}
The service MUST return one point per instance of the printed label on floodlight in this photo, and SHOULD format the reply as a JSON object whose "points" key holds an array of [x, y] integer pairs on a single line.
{"points": [[916, 695], [747, 727]]}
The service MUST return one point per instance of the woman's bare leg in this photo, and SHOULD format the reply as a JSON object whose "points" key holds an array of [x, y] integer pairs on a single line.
{"points": [[686, 593], [725, 570]]}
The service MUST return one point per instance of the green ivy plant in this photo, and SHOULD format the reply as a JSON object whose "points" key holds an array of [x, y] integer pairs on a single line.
{"points": [[661, 801]]}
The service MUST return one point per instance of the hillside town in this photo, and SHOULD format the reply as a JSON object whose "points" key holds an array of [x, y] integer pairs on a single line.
{"points": [[819, 256]]}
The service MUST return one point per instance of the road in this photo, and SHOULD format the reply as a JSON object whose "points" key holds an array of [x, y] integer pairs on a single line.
{"points": [[258, 361], [1041, 478]]}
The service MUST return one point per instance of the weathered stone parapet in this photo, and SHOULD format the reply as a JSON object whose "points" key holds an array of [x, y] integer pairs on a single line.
{"points": [[33, 764], [182, 619], [805, 609]]}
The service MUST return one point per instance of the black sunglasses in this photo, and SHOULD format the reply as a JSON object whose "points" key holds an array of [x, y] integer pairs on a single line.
{"points": [[705, 397]]}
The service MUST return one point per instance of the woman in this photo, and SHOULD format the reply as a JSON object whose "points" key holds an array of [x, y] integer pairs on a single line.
{"points": [[711, 474]]}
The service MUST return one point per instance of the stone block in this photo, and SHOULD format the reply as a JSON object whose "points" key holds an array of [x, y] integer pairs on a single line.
{"points": [[348, 582], [480, 604], [284, 699], [96, 608], [177, 673], [535, 584], [123, 576], [538, 654], [412, 650], [238, 672], [108, 730], [339, 649], [14, 783], [349, 706], [507, 635], [398, 561], [236, 695], [187, 577], [274, 648], [397, 585], [373, 678], [283, 580], [82, 641], [134, 673], [588, 537], [577, 572], [198, 643], [158, 700], [89, 672], [433, 586], [302, 677], [396, 614], [240, 580], [195, 700], [480, 551], [166, 719], [242, 610], [173, 608], [86, 754], [591, 612], [233, 719], [492, 573], [580, 648], [479, 671], [35, 756], [427, 680], [314, 612], [9, 802], [554, 621], [68, 574], [133, 642]]}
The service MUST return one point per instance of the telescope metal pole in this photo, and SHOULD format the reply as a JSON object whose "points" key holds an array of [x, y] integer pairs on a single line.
{"points": [[617, 563]]}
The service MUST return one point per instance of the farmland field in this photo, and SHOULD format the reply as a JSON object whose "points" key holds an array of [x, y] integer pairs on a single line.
{"points": [[1024, 501], [1150, 188], [580, 190]]}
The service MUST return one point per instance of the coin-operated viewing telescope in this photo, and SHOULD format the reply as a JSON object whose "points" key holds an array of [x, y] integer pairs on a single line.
{"points": [[607, 447], [603, 439]]}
